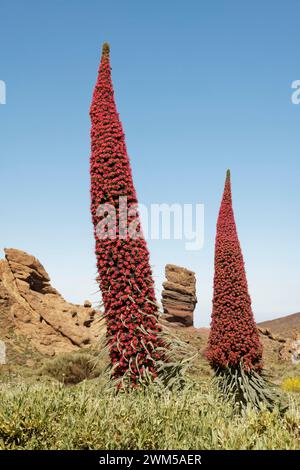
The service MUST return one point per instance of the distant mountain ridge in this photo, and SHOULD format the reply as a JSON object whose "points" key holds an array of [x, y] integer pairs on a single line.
{"points": [[286, 327]]}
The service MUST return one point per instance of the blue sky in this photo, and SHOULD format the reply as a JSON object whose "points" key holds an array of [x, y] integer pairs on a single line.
{"points": [[200, 86]]}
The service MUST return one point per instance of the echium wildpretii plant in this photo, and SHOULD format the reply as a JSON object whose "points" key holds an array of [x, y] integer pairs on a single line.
{"points": [[234, 349], [136, 347]]}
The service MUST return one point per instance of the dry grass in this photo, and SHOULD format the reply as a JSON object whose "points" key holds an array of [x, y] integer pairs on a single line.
{"points": [[67, 403], [91, 416]]}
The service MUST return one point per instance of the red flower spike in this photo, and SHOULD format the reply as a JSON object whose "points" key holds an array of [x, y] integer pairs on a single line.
{"points": [[123, 265], [234, 337]]}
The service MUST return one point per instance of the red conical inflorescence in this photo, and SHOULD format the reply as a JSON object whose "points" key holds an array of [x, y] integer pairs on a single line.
{"points": [[122, 260], [234, 338]]}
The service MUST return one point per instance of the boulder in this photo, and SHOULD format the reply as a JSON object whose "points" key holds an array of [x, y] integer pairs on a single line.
{"points": [[31, 308], [179, 295]]}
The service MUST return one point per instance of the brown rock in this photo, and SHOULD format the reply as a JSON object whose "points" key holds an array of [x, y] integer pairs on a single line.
{"points": [[290, 351], [269, 334], [179, 295], [32, 308]]}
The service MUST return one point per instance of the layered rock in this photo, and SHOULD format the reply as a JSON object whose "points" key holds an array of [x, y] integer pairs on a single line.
{"points": [[179, 295], [31, 308]]}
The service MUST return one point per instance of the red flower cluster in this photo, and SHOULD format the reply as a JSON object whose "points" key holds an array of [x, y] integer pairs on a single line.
{"points": [[123, 263], [234, 337]]}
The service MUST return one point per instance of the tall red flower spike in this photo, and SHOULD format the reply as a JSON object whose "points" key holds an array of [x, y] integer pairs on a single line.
{"points": [[125, 275], [234, 338]]}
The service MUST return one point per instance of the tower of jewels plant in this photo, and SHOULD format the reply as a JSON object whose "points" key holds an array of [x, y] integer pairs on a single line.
{"points": [[136, 347], [234, 349]]}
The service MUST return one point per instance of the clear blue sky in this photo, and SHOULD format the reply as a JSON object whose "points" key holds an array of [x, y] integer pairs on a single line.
{"points": [[200, 86]]}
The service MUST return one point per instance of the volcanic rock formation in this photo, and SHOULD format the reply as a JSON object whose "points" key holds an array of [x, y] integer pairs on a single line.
{"points": [[179, 295], [32, 309]]}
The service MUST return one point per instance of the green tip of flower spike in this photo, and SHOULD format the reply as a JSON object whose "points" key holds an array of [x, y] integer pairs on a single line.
{"points": [[228, 174], [105, 49]]}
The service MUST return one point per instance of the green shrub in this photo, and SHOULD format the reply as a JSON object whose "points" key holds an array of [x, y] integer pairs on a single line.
{"points": [[92, 416], [73, 368]]}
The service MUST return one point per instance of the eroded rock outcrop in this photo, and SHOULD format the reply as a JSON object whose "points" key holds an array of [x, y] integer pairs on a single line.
{"points": [[288, 349], [31, 308], [179, 295]]}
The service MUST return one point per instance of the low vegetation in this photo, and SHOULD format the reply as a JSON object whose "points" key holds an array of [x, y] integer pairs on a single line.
{"points": [[90, 415], [291, 384], [73, 368], [67, 402]]}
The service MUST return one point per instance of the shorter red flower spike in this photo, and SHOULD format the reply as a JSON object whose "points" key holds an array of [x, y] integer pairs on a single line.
{"points": [[234, 337]]}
